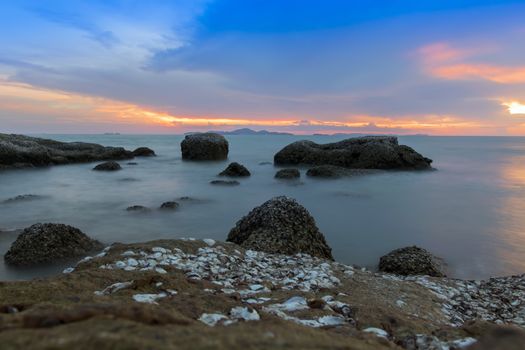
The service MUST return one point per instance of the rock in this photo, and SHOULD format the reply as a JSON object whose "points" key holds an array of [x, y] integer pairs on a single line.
{"points": [[235, 170], [108, 166], [44, 243], [144, 152], [288, 174], [370, 152], [411, 261], [205, 146], [23, 198], [225, 182], [334, 172], [169, 205], [18, 151], [132, 163], [280, 225], [138, 208], [501, 338]]}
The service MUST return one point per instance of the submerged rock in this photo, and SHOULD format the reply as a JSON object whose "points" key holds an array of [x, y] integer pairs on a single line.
{"points": [[169, 205], [280, 225], [334, 172], [235, 170], [144, 152], [23, 151], [205, 146], [411, 261], [139, 208], [23, 198], [43, 243], [288, 174], [225, 182], [370, 152], [108, 166]]}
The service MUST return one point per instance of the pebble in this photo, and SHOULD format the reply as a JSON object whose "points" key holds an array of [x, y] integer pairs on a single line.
{"points": [[210, 242], [148, 298], [68, 270], [244, 313], [377, 331], [115, 287], [212, 319]]}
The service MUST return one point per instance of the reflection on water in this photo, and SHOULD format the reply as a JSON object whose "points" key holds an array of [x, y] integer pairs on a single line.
{"points": [[511, 249], [470, 211]]}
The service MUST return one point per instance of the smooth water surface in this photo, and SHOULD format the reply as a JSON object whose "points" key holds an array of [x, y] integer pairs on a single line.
{"points": [[471, 211]]}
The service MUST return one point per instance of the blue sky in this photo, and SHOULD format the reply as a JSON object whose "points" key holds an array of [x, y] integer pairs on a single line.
{"points": [[437, 67]]}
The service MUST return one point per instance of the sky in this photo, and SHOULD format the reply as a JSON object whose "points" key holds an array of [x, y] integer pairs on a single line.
{"points": [[438, 67]]}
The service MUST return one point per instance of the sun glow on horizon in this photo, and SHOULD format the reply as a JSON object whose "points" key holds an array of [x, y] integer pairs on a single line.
{"points": [[515, 107]]}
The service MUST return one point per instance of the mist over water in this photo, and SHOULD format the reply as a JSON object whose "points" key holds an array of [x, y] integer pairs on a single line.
{"points": [[471, 212]]}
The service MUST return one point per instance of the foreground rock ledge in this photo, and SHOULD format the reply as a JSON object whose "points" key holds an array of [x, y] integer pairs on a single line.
{"points": [[370, 152], [280, 225], [18, 151], [201, 294]]}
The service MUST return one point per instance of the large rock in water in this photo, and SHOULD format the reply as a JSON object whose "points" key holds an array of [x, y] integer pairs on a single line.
{"points": [[45, 243], [411, 261], [18, 151], [205, 146], [370, 152], [280, 225]]}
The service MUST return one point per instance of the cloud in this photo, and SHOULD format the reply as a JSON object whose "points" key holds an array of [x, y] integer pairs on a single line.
{"points": [[444, 61], [494, 73]]}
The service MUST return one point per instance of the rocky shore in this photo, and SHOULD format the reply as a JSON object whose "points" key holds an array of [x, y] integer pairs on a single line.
{"points": [[274, 285], [205, 294]]}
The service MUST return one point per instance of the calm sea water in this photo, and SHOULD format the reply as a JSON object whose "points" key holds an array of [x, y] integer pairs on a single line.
{"points": [[471, 211]]}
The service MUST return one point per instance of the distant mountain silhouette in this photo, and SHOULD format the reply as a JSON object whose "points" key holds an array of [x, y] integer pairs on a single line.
{"points": [[247, 131]]}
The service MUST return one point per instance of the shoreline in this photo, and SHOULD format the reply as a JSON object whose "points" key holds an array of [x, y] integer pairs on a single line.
{"points": [[218, 285]]}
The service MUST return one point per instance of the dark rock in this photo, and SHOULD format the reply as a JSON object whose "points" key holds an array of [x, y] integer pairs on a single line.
{"points": [[132, 163], [144, 152], [235, 170], [411, 261], [44, 243], [169, 206], [140, 208], [23, 198], [18, 151], [334, 172], [206, 146], [371, 152], [225, 182], [108, 166], [283, 226], [288, 174], [265, 163]]}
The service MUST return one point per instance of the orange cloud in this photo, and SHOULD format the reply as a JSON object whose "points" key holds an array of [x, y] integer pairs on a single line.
{"points": [[498, 74], [446, 62], [441, 52]]}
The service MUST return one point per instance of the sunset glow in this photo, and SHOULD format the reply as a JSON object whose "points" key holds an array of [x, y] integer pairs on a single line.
{"points": [[135, 69], [515, 107]]}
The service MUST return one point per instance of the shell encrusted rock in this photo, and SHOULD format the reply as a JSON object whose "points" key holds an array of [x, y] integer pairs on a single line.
{"points": [[283, 226]]}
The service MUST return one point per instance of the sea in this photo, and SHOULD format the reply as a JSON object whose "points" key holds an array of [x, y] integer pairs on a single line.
{"points": [[470, 211]]}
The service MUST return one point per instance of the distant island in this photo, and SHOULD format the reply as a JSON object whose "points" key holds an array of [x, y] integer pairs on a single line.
{"points": [[247, 131]]}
